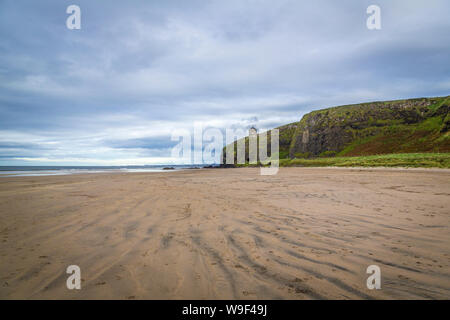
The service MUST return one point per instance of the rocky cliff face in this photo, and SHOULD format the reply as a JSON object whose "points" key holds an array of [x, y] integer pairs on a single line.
{"points": [[331, 130], [414, 125]]}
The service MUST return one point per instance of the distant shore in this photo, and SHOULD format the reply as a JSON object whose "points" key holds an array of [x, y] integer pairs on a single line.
{"points": [[22, 171], [402, 160], [305, 233]]}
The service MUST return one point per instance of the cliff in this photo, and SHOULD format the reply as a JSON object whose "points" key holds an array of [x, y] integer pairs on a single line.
{"points": [[400, 126]]}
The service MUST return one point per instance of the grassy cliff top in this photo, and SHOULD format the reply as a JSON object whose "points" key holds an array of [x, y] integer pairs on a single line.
{"points": [[407, 126]]}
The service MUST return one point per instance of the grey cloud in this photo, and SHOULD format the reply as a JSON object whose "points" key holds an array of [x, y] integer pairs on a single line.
{"points": [[152, 143], [143, 67]]}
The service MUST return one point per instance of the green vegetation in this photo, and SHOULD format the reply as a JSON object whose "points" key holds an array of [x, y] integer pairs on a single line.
{"points": [[428, 160], [361, 134], [425, 136]]}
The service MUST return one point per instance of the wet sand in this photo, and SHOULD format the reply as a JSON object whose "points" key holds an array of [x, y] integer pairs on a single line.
{"points": [[305, 233]]}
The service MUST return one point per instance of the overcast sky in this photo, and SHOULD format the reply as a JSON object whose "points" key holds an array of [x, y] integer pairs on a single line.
{"points": [[113, 92]]}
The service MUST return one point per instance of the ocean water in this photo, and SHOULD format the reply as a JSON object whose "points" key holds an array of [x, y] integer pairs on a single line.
{"points": [[20, 171]]}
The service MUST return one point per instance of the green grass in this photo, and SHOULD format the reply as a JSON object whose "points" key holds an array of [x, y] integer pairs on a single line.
{"points": [[430, 124], [417, 160], [442, 101], [425, 136]]}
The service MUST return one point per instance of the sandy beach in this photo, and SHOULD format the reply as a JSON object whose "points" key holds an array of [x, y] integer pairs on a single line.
{"points": [[305, 233]]}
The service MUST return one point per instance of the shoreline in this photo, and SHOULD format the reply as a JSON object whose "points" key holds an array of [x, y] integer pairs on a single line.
{"points": [[379, 168]]}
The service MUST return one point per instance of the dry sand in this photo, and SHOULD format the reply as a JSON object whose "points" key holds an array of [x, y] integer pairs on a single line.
{"points": [[227, 234]]}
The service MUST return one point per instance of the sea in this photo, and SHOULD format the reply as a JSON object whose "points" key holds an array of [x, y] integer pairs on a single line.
{"points": [[21, 171]]}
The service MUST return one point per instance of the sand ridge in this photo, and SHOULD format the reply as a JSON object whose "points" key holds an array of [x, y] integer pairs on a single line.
{"points": [[305, 233]]}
